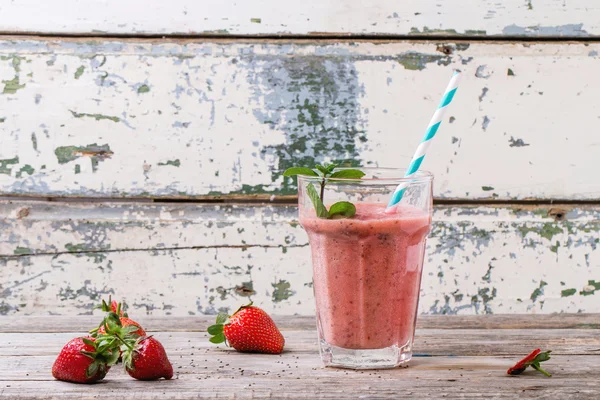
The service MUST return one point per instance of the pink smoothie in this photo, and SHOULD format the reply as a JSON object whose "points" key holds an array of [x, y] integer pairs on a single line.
{"points": [[367, 275]]}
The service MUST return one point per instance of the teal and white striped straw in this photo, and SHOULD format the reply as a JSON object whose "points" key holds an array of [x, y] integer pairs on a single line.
{"points": [[434, 124]]}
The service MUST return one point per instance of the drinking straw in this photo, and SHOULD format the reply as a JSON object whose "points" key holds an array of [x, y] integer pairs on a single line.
{"points": [[432, 128]]}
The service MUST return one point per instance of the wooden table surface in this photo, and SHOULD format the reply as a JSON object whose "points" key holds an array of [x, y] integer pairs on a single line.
{"points": [[456, 357]]}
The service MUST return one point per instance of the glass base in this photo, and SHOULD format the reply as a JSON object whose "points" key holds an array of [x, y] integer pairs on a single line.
{"points": [[389, 357]]}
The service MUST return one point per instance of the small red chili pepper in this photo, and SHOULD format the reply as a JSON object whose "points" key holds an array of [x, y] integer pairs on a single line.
{"points": [[533, 359]]}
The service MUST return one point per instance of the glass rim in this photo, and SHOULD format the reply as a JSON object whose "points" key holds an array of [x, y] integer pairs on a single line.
{"points": [[419, 176]]}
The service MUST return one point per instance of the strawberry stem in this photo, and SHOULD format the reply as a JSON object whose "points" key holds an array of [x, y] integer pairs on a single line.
{"points": [[242, 307], [537, 367], [130, 347]]}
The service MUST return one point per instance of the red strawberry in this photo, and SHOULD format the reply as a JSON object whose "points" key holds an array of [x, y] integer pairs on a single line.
{"points": [[249, 329], [83, 360], [533, 359], [146, 360]]}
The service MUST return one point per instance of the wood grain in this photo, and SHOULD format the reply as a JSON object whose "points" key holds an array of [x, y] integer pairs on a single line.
{"points": [[575, 377], [82, 323], [470, 18], [450, 363], [97, 118], [178, 259], [428, 342]]}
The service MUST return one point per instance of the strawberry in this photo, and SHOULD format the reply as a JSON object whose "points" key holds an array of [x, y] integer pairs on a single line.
{"points": [[146, 359], [249, 329], [532, 360], [85, 360]]}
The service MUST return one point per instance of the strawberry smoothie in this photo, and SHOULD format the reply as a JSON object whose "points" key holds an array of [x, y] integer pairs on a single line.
{"points": [[367, 274]]}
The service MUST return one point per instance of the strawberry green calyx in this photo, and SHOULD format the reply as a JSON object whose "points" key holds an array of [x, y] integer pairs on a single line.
{"points": [[105, 354], [129, 348], [117, 320], [108, 307], [216, 330], [113, 306], [112, 328]]}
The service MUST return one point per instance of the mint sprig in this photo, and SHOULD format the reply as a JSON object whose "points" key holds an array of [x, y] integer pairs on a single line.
{"points": [[341, 209]]}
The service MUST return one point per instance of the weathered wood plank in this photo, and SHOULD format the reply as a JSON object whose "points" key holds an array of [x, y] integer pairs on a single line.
{"points": [[81, 323], [287, 377], [512, 18], [37, 367], [98, 118], [331, 387], [476, 366], [428, 342], [180, 259]]}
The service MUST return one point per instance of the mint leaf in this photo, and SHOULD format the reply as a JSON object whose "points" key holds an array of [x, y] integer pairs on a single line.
{"points": [[342, 209], [330, 168], [317, 203], [348, 174], [322, 169], [299, 171]]}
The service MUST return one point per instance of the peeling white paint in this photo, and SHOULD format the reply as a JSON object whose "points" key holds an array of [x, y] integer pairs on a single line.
{"points": [[248, 106], [479, 259], [574, 18]]}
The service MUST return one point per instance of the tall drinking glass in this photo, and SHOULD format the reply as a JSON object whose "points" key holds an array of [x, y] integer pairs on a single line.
{"points": [[367, 268]]}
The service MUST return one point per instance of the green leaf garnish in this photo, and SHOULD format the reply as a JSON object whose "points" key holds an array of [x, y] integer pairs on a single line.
{"points": [[348, 174], [299, 171], [316, 200], [321, 169], [342, 209]]}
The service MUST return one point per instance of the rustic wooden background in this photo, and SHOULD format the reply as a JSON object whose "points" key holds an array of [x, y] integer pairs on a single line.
{"points": [[141, 145]]}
